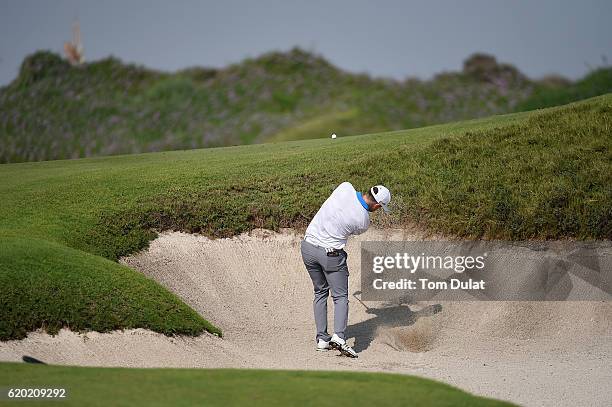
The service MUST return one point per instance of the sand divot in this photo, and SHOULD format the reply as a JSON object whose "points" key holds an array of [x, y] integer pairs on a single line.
{"points": [[416, 338]]}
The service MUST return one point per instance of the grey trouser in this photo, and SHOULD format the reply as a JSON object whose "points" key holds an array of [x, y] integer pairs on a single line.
{"points": [[327, 272]]}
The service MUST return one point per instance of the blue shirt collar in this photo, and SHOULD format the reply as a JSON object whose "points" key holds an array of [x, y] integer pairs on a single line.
{"points": [[362, 201]]}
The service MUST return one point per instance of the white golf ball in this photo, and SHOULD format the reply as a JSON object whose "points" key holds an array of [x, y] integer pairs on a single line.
{"points": [[334, 135]]}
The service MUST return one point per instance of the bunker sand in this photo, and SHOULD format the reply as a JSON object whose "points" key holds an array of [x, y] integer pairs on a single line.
{"points": [[255, 288]]}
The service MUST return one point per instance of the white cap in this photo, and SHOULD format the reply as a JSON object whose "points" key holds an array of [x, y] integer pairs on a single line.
{"points": [[382, 196]]}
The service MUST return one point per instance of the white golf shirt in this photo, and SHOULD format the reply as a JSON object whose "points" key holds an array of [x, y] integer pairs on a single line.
{"points": [[343, 214]]}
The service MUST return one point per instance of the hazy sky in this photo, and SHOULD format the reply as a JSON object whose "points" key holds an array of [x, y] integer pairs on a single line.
{"points": [[384, 38]]}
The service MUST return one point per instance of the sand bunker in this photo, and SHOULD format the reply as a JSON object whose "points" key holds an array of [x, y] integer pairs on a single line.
{"points": [[255, 288]]}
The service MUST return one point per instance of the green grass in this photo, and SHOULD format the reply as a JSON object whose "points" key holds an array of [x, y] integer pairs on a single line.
{"points": [[228, 387], [53, 110], [319, 126], [534, 175], [48, 284], [598, 82]]}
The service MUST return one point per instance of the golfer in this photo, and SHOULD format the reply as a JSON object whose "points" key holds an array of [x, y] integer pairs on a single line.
{"points": [[346, 212]]}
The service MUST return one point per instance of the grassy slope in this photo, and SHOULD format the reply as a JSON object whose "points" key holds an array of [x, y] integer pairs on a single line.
{"points": [[48, 284], [595, 83], [54, 111], [520, 176], [226, 387]]}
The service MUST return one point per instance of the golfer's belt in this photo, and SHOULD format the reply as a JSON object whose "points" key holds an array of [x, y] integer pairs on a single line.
{"points": [[333, 252]]}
